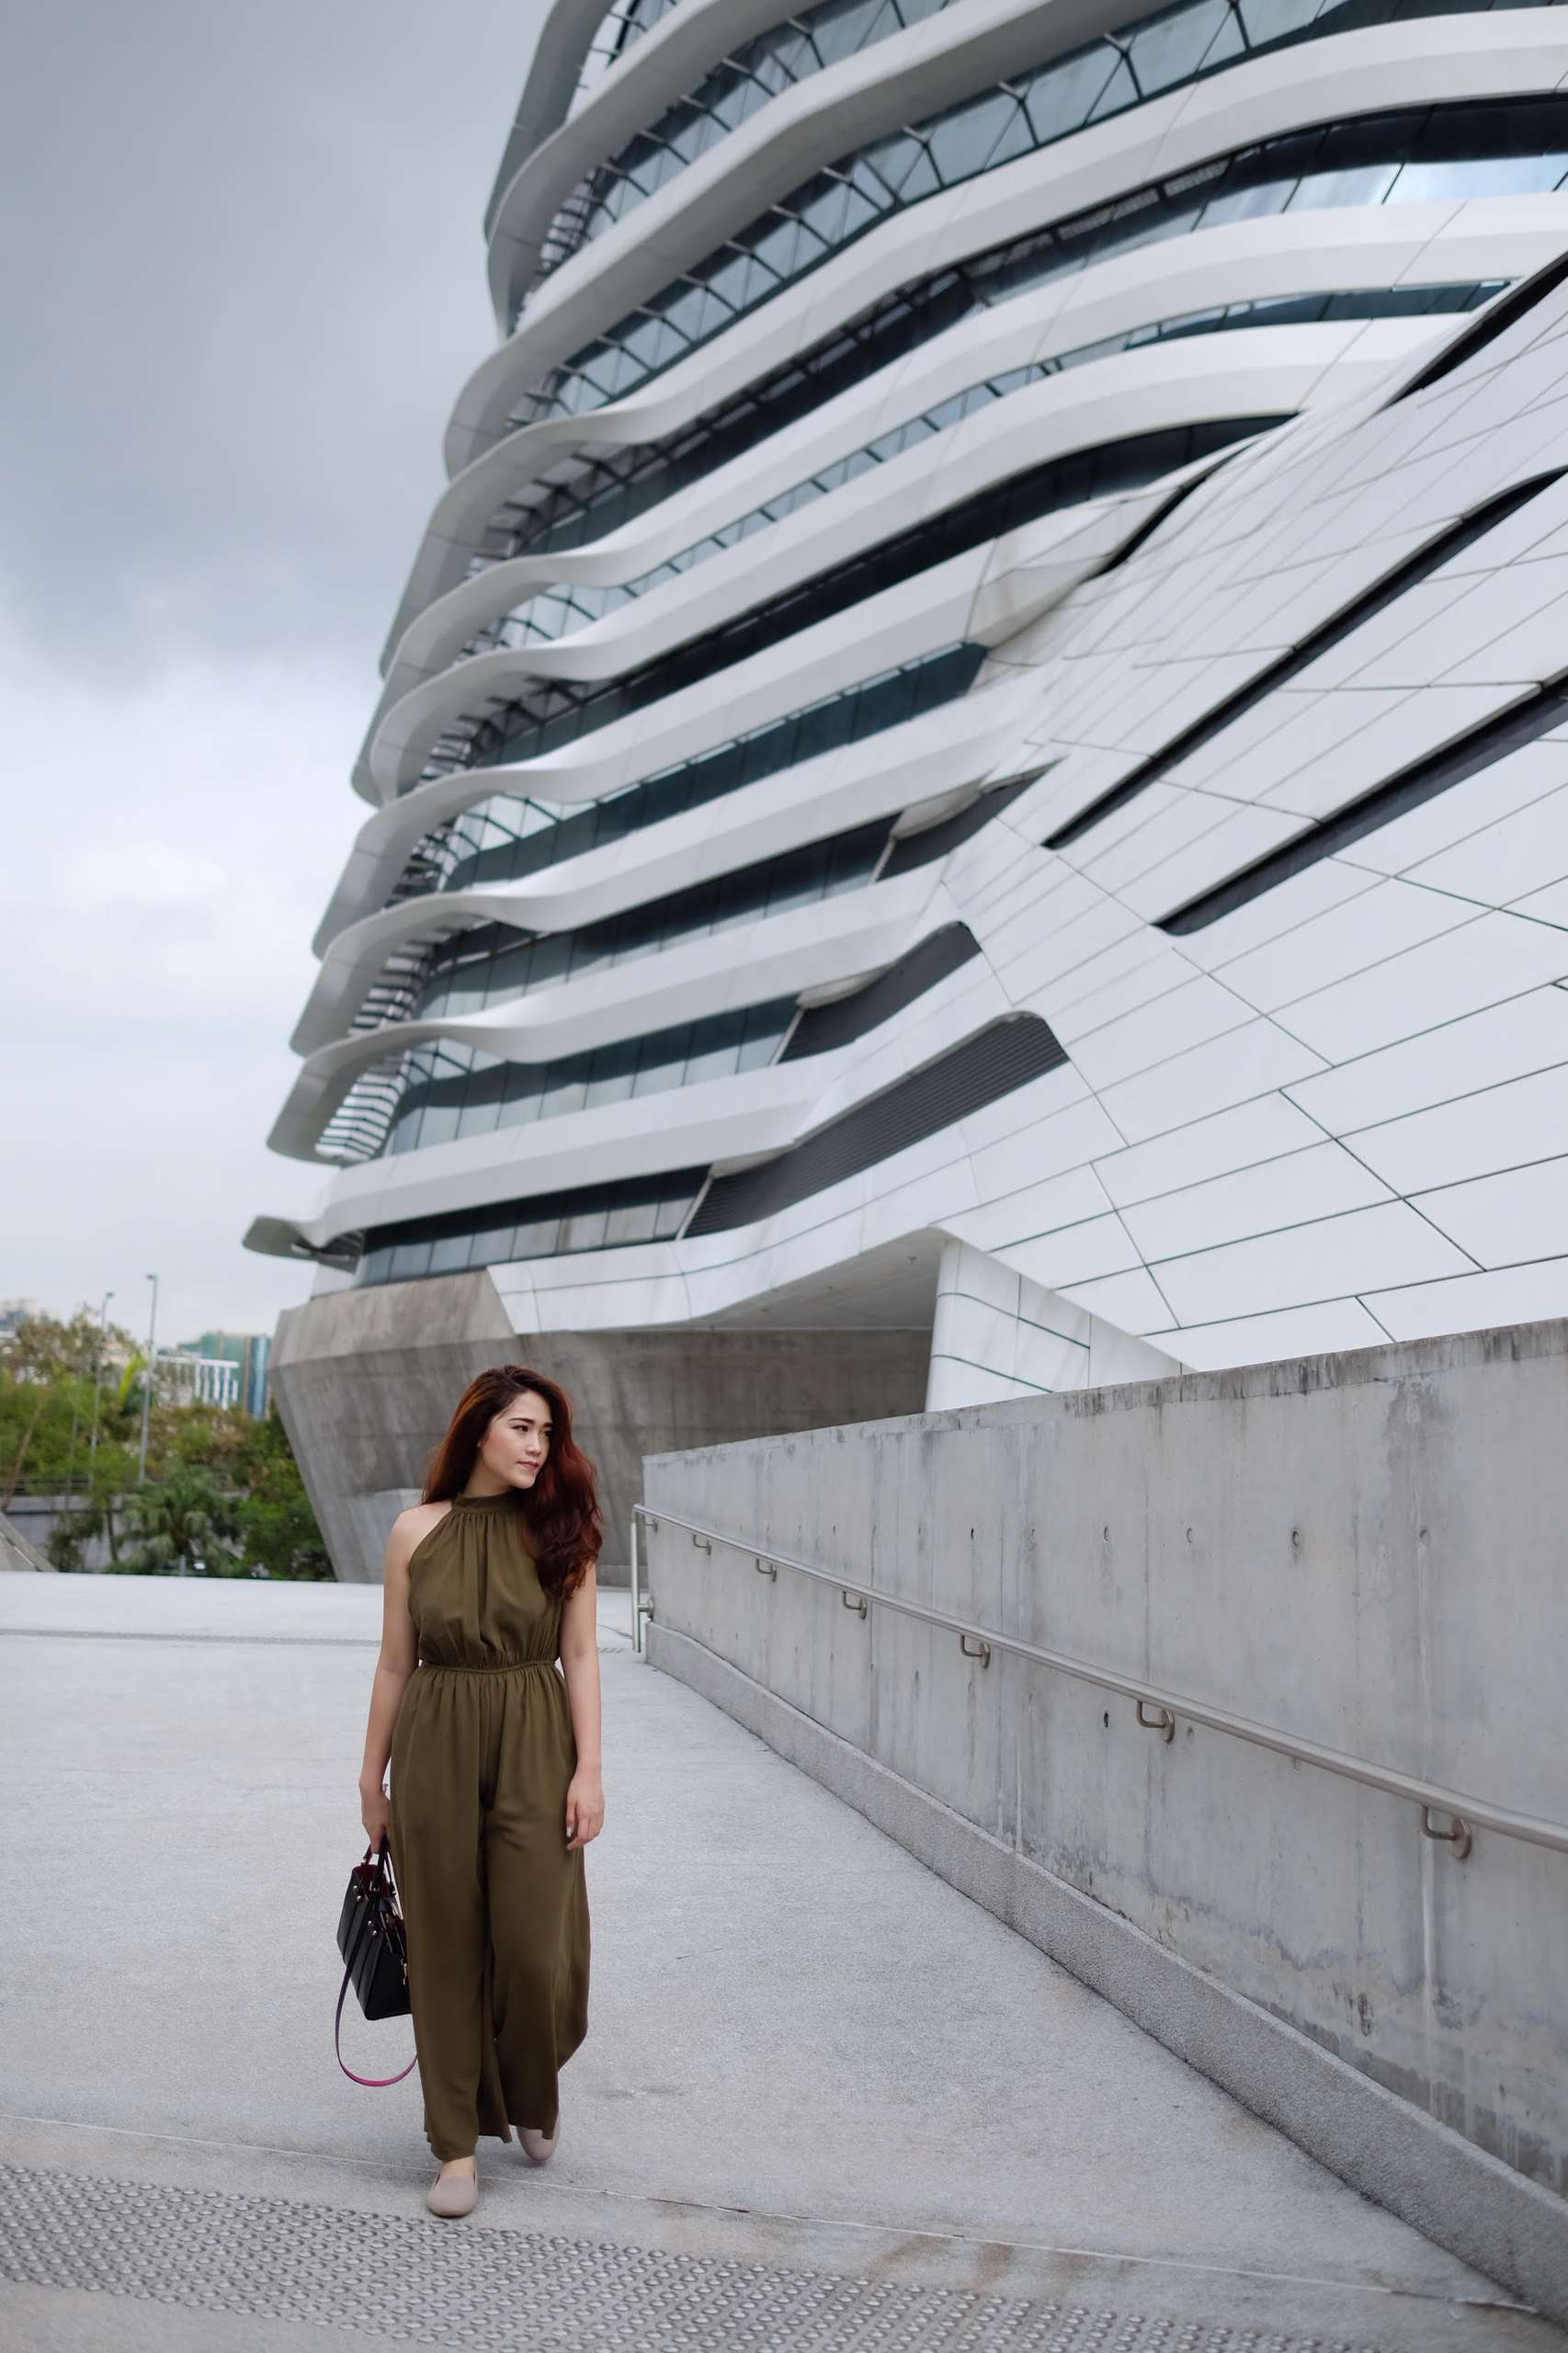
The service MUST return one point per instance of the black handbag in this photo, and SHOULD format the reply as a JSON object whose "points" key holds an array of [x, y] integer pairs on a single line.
{"points": [[374, 1945]]}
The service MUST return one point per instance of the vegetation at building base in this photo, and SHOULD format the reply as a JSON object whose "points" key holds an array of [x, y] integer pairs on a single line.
{"points": [[223, 1496]]}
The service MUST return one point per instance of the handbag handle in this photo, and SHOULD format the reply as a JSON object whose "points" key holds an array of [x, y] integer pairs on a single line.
{"points": [[377, 2082]]}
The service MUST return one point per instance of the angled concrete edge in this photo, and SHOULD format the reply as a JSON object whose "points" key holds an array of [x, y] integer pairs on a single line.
{"points": [[1430, 2177]]}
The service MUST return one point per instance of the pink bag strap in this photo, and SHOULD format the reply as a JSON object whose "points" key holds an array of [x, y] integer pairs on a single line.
{"points": [[337, 2045], [378, 2082]]}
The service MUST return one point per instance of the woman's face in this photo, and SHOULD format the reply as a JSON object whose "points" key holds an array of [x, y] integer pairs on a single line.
{"points": [[515, 1446]]}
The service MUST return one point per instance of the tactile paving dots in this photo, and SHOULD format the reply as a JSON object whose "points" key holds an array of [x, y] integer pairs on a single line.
{"points": [[288, 2259]]}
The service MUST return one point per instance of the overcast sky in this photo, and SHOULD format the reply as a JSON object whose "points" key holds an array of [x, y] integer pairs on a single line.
{"points": [[245, 278]]}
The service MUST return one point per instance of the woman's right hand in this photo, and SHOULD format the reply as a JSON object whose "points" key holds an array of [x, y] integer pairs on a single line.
{"points": [[375, 1812]]}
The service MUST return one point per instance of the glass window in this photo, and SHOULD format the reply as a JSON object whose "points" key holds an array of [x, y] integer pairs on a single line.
{"points": [[537, 1237], [655, 1072], [1502, 175], [403, 1135], [612, 1073], [964, 142], [522, 1090], [759, 1048], [565, 1088], [1166, 50], [634, 1221], [1368, 184], [1270, 20], [717, 1059], [493, 1243], [584, 1231], [1174, 47], [1064, 97], [1243, 203], [440, 1122]]}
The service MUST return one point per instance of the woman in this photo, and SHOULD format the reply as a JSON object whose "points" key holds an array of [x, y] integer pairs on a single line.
{"points": [[495, 1769]]}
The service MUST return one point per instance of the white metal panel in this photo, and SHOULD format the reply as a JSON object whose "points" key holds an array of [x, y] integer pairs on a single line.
{"points": [[1324, 1259], [1292, 1190], [1507, 1219]]}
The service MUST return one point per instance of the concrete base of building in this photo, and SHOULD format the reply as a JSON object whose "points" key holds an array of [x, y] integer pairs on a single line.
{"points": [[366, 1381]]}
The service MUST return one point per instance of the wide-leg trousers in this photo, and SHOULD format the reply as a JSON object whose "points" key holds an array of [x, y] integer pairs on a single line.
{"points": [[495, 1902]]}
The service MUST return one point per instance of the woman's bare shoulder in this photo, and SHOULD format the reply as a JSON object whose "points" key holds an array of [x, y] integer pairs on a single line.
{"points": [[412, 1526], [422, 1516]]}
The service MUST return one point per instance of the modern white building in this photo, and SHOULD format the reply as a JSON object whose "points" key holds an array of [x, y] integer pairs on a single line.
{"points": [[972, 772], [185, 1377]]}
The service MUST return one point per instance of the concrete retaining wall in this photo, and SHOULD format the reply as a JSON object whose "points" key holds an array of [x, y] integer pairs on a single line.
{"points": [[20, 1547], [34, 1520], [1366, 1550]]}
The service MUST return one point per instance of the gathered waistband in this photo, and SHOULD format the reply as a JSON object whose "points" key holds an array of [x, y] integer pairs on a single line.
{"points": [[496, 1667]]}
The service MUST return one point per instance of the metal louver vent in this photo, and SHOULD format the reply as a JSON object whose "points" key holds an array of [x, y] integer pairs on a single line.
{"points": [[993, 1064], [823, 1026], [911, 850]]}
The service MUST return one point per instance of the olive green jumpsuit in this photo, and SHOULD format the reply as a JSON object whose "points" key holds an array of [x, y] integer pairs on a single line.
{"points": [[495, 1902]]}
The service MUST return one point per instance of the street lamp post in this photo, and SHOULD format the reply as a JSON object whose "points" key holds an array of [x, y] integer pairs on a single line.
{"points": [[99, 1371], [147, 1382]]}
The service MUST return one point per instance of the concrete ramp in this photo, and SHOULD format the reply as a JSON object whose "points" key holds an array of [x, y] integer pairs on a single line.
{"points": [[825, 2101]]}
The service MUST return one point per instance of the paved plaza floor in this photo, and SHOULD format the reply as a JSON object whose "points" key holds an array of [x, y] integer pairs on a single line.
{"points": [[824, 2102]]}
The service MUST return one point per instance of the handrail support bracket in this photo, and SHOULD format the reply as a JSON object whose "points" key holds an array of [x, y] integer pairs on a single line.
{"points": [[1456, 1836]]}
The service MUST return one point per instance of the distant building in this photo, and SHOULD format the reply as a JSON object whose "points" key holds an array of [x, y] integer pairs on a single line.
{"points": [[220, 1368], [13, 1314], [186, 1377], [247, 1352], [254, 1387]]}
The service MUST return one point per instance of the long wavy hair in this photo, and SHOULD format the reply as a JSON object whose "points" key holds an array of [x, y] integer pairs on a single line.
{"points": [[561, 1509]]}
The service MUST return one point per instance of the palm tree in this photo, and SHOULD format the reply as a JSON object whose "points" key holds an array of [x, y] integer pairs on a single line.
{"points": [[183, 1525]]}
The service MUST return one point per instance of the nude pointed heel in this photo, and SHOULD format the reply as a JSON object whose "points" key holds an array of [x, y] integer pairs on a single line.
{"points": [[535, 2145], [452, 2194]]}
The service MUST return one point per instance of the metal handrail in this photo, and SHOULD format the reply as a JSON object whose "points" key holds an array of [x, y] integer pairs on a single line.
{"points": [[1467, 1814]]}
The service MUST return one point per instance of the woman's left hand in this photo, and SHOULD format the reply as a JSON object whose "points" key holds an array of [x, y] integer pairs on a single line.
{"points": [[585, 1808]]}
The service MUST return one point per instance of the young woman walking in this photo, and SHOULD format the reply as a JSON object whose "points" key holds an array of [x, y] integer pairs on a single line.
{"points": [[495, 1769]]}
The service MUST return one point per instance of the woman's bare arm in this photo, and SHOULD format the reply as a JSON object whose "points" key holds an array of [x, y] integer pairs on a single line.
{"points": [[395, 1663], [579, 1649]]}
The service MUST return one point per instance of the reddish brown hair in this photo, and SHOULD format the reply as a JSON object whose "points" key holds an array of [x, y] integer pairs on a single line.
{"points": [[565, 1531]]}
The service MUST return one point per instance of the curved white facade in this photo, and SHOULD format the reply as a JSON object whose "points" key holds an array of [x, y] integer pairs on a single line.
{"points": [[976, 737]]}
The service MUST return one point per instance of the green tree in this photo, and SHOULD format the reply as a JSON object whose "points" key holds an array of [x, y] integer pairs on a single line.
{"points": [[111, 1480], [47, 1371], [182, 1525], [278, 1526], [223, 1495]]}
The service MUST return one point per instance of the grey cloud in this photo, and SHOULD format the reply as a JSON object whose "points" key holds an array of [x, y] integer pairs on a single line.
{"points": [[246, 261]]}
